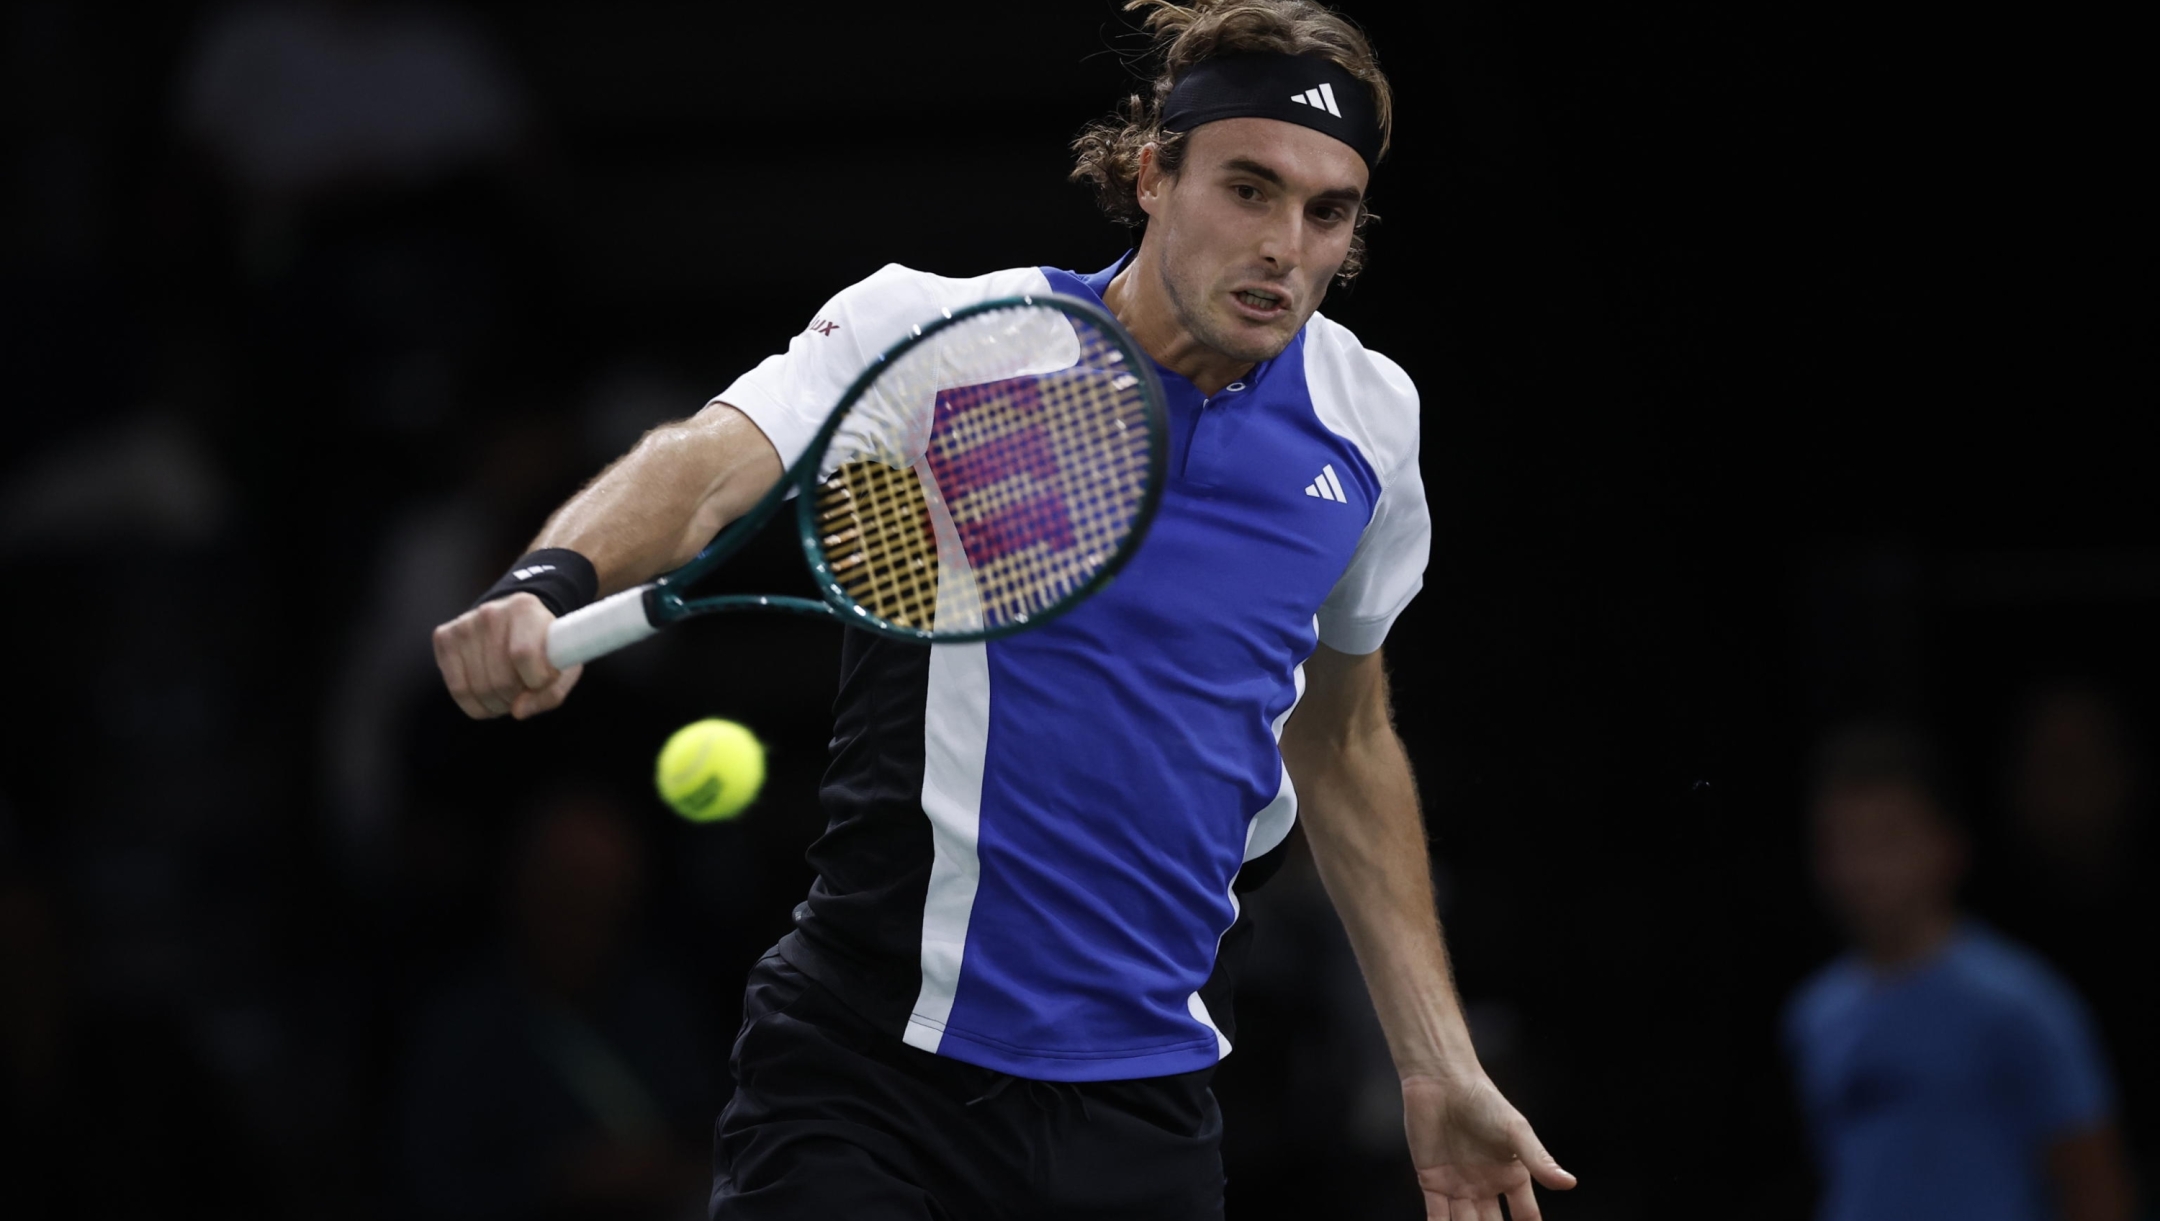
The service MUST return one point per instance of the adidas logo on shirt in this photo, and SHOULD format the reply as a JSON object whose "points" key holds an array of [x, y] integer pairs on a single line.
{"points": [[1320, 97], [1327, 486]]}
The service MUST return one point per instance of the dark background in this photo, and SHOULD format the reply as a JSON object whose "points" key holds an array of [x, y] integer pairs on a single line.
{"points": [[1779, 366]]}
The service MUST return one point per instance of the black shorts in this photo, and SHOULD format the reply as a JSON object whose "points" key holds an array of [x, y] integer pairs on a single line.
{"points": [[833, 1118]]}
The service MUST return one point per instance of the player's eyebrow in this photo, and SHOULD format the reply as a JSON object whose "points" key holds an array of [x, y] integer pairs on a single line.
{"points": [[1246, 165]]}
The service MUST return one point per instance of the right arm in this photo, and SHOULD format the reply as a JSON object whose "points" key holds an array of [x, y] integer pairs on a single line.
{"points": [[652, 510]]}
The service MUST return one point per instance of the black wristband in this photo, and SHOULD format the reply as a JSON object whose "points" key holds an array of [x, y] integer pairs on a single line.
{"points": [[559, 577]]}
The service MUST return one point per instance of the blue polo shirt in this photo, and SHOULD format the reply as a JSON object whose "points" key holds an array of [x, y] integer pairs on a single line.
{"points": [[1035, 843], [1936, 1091]]}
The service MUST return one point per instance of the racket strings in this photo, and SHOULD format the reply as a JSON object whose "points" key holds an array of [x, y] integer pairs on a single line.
{"points": [[1023, 439], [872, 521]]}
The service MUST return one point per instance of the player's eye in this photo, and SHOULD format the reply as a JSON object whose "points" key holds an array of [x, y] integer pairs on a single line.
{"points": [[1246, 191]]}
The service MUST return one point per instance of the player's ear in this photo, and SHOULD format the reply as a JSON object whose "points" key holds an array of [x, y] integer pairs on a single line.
{"points": [[1152, 181]]}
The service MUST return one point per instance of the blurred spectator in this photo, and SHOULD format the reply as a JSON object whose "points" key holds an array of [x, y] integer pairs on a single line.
{"points": [[148, 479], [301, 99], [102, 1114], [436, 556], [565, 1079], [2080, 843], [1945, 1071], [365, 159], [2073, 794]]}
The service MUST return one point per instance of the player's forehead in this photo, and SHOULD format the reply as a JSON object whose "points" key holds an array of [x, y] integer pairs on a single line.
{"points": [[1306, 161]]}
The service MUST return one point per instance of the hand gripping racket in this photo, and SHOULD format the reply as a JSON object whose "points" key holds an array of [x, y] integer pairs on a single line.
{"points": [[987, 472]]}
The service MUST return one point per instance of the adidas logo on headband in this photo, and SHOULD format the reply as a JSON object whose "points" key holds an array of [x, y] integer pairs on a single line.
{"points": [[1320, 97], [1309, 90]]}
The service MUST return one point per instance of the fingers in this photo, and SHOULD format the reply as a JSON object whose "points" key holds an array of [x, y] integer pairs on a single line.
{"points": [[1477, 1208], [1541, 1164], [493, 659], [526, 637], [452, 664], [549, 698], [499, 684], [1522, 1204]]}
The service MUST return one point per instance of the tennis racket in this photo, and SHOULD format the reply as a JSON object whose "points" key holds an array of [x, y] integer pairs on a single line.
{"points": [[982, 476]]}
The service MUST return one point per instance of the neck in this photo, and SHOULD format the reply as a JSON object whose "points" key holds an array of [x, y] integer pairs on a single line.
{"points": [[1892, 949], [1140, 299]]}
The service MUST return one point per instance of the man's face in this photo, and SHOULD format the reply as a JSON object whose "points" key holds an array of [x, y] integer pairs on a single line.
{"points": [[1252, 229], [1884, 858]]}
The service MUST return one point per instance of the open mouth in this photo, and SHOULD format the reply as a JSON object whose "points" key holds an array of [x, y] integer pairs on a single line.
{"points": [[1261, 301]]}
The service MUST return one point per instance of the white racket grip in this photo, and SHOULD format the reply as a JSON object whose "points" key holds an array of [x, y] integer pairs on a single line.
{"points": [[614, 622]]}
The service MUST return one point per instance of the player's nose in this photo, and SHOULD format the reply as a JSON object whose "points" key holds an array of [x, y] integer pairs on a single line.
{"points": [[1279, 244]]}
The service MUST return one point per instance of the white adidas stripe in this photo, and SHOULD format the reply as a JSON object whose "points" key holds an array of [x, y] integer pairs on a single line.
{"points": [[1327, 486], [1319, 97]]}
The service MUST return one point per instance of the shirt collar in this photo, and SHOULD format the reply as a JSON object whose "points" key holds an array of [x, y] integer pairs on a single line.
{"points": [[1099, 283]]}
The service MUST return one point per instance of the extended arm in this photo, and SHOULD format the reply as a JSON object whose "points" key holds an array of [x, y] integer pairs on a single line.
{"points": [[656, 506], [648, 512], [1360, 811]]}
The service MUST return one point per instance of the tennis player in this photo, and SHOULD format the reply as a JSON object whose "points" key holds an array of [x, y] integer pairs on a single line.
{"points": [[1011, 982]]}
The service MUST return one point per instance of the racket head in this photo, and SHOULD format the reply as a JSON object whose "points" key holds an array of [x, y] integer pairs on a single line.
{"points": [[987, 473]]}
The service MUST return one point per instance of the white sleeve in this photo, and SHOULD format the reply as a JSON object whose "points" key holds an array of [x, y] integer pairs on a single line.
{"points": [[1367, 398], [1387, 570], [789, 395]]}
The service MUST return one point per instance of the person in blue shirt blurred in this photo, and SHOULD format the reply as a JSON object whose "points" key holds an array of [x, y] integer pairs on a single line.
{"points": [[1945, 1071]]}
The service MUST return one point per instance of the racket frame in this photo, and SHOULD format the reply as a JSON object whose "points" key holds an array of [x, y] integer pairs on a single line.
{"points": [[665, 598]]}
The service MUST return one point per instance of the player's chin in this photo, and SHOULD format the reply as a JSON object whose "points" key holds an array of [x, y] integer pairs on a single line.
{"points": [[1252, 340]]}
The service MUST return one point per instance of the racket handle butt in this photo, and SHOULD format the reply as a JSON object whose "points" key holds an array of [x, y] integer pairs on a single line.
{"points": [[614, 622]]}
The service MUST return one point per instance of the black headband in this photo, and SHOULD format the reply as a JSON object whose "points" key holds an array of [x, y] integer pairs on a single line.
{"points": [[1308, 90]]}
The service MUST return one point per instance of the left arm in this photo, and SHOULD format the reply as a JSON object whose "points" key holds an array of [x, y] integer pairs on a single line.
{"points": [[1360, 810]]}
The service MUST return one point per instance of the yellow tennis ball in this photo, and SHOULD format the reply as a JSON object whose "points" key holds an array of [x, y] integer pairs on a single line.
{"points": [[710, 770]]}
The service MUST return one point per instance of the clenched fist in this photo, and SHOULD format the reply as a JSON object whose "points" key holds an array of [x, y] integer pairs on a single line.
{"points": [[494, 659]]}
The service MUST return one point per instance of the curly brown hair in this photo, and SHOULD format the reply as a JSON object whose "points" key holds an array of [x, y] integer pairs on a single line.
{"points": [[1106, 153]]}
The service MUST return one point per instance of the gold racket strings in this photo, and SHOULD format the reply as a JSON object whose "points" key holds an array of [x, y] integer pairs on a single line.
{"points": [[872, 523], [1019, 434]]}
